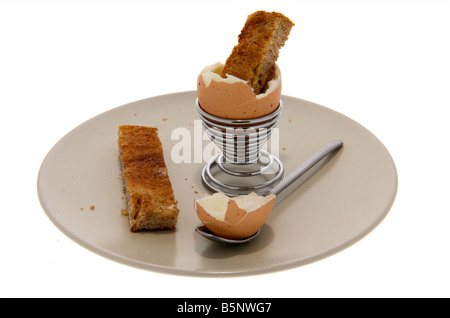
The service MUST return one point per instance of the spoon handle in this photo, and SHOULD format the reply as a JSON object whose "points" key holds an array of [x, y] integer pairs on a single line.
{"points": [[305, 166]]}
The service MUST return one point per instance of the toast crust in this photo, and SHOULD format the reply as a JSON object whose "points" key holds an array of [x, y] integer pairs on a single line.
{"points": [[253, 58], [150, 199]]}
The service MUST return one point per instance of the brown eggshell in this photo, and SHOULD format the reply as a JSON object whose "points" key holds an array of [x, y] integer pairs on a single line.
{"points": [[236, 100], [238, 223]]}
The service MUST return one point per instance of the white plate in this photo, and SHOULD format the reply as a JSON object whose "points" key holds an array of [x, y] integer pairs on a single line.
{"points": [[334, 208]]}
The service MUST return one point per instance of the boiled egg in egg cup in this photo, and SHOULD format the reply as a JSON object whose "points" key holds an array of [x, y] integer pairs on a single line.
{"points": [[232, 97]]}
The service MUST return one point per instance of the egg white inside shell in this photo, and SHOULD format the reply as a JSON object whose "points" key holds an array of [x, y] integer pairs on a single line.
{"points": [[213, 72]]}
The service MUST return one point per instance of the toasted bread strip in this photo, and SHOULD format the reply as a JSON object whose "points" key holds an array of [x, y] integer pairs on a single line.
{"points": [[150, 199], [253, 58]]}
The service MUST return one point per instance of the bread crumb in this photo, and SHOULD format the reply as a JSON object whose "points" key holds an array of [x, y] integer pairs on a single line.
{"points": [[284, 148], [81, 209], [290, 120], [135, 114], [124, 212], [196, 192], [92, 207], [164, 119]]}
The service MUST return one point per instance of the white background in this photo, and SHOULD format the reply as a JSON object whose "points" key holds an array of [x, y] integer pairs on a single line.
{"points": [[384, 64]]}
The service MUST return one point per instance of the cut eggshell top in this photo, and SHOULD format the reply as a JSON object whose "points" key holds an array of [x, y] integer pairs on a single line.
{"points": [[234, 218], [233, 98]]}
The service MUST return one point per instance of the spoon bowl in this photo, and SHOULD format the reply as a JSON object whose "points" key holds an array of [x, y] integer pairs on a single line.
{"points": [[203, 230]]}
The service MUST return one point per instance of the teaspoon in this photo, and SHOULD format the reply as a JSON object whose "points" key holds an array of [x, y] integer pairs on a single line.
{"points": [[281, 186]]}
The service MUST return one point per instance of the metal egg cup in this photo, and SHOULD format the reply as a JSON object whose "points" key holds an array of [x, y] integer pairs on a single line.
{"points": [[243, 166]]}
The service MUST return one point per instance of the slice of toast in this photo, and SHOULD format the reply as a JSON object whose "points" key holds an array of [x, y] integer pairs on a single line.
{"points": [[253, 58], [150, 199]]}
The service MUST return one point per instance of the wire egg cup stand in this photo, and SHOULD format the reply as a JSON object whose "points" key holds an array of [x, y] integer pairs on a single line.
{"points": [[243, 166]]}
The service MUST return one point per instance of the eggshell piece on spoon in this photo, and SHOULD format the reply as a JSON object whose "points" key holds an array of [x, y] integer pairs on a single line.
{"points": [[233, 98], [234, 218]]}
